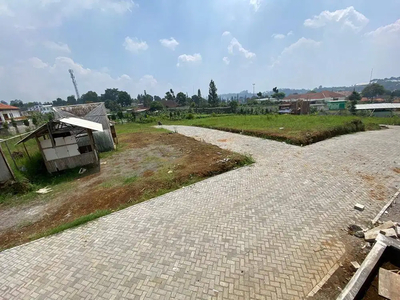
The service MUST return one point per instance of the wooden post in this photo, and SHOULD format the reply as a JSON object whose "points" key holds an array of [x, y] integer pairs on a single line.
{"points": [[15, 164], [49, 127], [6, 162], [93, 144], [27, 153]]}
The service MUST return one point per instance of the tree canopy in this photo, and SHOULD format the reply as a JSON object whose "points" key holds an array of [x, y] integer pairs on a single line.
{"points": [[181, 99], [373, 90], [89, 97]]}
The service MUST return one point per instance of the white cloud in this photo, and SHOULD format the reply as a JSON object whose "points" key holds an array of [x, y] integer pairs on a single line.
{"points": [[348, 17], [236, 45], [57, 46], [186, 58], [278, 36], [37, 63], [169, 43], [226, 60], [36, 80], [148, 81], [393, 28], [281, 36], [256, 4], [52, 13], [5, 10], [302, 45], [226, 33], [134, 45]]}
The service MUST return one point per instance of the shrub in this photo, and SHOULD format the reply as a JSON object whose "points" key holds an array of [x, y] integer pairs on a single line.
{"points": [[5, 125], [35, 121], [190, 116], [26, 123]]}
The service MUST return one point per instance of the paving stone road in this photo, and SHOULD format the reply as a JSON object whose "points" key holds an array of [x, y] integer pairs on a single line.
{"points": [[267, 231]]}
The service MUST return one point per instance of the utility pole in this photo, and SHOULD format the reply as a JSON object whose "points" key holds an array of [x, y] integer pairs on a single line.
{"points": [[370, 78], [71, 72], [254, 89]]}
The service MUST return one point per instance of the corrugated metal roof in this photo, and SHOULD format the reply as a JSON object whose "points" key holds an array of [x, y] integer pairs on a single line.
{"points": [[378, 106], [83, 123]]}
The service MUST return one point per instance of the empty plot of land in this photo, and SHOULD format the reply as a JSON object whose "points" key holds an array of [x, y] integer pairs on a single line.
{"points": [[271, 230]]}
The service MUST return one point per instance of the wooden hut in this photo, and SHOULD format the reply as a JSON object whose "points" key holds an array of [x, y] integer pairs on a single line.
{"points": [[66, 143]]}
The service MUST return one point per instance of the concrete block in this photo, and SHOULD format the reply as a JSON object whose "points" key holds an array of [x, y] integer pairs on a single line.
{"points": [[389, 232], [359, 207], [371, 235], [355, 265]]}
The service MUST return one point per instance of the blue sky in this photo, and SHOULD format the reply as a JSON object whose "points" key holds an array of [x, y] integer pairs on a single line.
{"points": [[156, 45]]}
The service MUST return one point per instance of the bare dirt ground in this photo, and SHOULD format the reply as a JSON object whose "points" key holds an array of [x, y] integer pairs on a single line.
{"points": [[150, 164]]}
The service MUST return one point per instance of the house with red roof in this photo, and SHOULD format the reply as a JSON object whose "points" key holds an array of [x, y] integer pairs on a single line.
{"points": [[317, 100], [8, 112]]}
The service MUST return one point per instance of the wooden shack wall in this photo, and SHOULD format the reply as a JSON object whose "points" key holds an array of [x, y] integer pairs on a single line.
{"points": [[71, 162], [5, 170]]}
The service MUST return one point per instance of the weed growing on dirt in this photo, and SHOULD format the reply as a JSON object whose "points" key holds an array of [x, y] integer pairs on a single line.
{"points": [[75, 223], [130, 180]]}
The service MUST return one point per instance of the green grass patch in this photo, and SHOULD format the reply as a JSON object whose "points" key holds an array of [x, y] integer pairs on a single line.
{"points": [[298, 130], [130, 180], [75, 223]]}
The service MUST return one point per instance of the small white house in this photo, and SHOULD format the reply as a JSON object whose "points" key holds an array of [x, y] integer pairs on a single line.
{"points": [[8, 112]]}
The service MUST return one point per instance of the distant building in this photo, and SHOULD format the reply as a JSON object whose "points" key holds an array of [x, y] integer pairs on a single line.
{"points": [[43, 109], [317, 100], [8, 112], [337, 105]]}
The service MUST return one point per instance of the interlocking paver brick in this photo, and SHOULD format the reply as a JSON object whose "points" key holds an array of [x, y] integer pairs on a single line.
{"points": [[249, 233]]}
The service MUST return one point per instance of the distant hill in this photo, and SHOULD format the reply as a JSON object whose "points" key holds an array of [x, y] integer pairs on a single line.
{"points": [[391, 84]]}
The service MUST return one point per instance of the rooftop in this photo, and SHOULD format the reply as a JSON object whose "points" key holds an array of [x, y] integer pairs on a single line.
{"points": [[7, 107]]}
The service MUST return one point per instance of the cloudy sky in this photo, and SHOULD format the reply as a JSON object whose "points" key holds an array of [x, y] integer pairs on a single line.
{"points": [[155, 45]]}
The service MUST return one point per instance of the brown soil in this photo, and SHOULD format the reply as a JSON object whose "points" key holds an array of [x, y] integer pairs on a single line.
{"points": [[397, 170], [372, 292], [157, 162]]}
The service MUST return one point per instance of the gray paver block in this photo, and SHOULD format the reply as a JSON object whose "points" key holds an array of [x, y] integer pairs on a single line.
{"points": [[249, 233]]}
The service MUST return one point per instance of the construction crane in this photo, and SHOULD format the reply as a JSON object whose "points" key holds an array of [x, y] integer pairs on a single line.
{"points": [[71, 72]]}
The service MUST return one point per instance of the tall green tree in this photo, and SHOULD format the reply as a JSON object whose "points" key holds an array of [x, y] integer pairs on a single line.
{"points": [[90, 97], [355, 96], [157, 98], [181, 99], [59, 102], [213, 99], [277, 94], [109, 94], [373, 90], [71, 100], [17, 103], [124, 99], [147, 100], [259, 94]]}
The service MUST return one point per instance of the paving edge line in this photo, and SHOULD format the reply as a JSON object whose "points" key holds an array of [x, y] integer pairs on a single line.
{"points": [[323, 280], [385, 207]]}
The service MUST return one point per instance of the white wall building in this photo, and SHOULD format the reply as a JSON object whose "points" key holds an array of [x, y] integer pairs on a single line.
{"points": [[8, 112], [43, 109]]}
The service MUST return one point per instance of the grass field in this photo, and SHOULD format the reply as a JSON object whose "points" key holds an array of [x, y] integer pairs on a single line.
{"points": [[298, 130]]}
